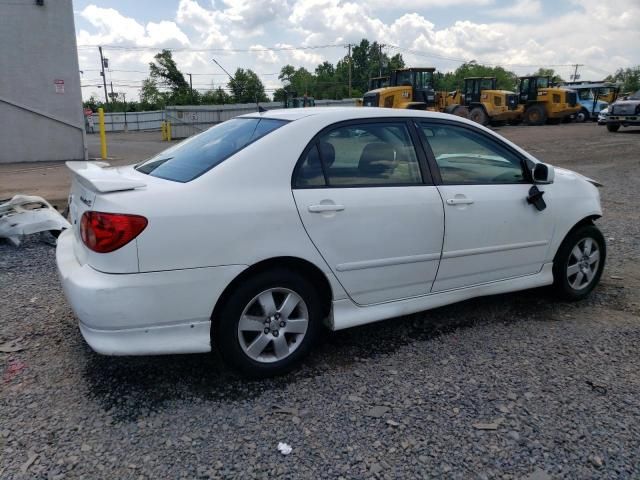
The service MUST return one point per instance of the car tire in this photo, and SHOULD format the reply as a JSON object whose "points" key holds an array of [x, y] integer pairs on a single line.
{"points": [[578, 264], [259, 343], [612, 127], [478, 115], [535, 115]]}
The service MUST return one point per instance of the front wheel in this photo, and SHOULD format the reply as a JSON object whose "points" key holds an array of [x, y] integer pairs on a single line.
{"points": [[268, 324], [583, 115], [535, 115], [578, 264]]}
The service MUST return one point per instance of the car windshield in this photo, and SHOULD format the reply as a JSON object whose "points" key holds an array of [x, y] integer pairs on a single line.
{"points": [[635, 96], [198, 154]]}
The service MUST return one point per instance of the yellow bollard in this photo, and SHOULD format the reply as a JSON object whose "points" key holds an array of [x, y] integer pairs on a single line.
{"points": [[103, 136], [163, 130], [168, 131]]}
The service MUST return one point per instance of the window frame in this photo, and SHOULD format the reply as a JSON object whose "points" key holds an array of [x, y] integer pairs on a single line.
{"points": [[433, 164], [414, 137]]}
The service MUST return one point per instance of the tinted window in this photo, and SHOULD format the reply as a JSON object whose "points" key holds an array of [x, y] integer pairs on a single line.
{"points": [[369, 154], [467, 156], [200, 153]]}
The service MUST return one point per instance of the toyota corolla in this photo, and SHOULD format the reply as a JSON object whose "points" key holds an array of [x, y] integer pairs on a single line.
{"points": [[252, 236]]}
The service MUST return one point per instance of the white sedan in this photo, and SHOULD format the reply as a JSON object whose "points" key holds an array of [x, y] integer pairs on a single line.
{"points": [[251, 236]]}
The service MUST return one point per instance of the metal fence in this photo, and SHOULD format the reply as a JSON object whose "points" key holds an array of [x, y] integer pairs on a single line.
{"points": [[187, 120], [129, 121]]}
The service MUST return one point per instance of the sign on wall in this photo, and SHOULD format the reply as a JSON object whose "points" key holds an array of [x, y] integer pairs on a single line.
{"points": [[59, 86]]}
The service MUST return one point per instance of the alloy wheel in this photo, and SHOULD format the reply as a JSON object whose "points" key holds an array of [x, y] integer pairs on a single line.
{"points": [[273, 325], [583, 263]]}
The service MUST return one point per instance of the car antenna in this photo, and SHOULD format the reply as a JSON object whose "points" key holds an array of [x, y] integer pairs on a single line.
{"points": [[260, 109]]}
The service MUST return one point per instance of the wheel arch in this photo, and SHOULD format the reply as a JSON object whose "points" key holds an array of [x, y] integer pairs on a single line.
{"points": [[588, 220], [296, 264]]}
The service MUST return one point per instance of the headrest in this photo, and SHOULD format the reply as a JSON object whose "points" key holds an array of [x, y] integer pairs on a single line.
{"points": [[328, 153], [377, 158]]}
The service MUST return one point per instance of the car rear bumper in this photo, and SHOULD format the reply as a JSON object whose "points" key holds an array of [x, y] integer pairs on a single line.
{"points": [[142, 313]]}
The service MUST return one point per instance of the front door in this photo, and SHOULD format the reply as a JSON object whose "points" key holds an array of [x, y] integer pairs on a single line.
{"points": [[367, 202], [491, 231]]}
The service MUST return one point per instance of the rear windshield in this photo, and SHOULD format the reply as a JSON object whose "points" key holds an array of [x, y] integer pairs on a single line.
{"points": [[198, 154]]}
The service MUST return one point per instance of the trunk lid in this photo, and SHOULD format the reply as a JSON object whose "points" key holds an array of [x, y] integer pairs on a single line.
{"points": [[91, 182]]}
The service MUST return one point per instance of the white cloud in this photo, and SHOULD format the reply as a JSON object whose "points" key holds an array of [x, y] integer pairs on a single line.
{"points": [[426, 4], [521, 9], [266, 56], [114, 28]]}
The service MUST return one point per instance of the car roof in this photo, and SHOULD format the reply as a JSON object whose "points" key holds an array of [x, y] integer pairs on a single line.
{"points": [[345, 113]]}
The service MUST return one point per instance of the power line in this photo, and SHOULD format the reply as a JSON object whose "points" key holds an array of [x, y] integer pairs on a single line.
{"points": [[219, 50], [462, 60]]}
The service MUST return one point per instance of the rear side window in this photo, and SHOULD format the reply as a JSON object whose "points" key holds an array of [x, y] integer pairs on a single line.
{"points": [[200, 153], [369, 154]]}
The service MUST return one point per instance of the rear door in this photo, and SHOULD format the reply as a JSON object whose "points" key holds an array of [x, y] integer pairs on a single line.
{"points": [[491, 231], [368, 204]]}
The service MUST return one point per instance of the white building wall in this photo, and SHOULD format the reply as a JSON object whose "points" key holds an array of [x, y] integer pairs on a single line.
{"points": [[39, 119]]}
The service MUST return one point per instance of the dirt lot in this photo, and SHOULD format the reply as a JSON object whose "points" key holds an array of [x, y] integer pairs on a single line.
{"points": [[512, 386]]}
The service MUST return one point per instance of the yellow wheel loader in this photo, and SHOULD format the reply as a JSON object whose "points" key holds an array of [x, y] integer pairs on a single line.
{"points": [[543, 103], [412, 88], [488, 104]]}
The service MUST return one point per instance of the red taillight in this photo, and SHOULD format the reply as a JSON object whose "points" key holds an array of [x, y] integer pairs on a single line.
{"points": [[106, 232]]}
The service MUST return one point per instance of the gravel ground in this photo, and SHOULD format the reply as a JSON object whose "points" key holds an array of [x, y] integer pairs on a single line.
{"points": [[511, 386]]}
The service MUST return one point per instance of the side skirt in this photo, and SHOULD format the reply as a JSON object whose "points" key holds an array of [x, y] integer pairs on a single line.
{"points": [[347, 314]]}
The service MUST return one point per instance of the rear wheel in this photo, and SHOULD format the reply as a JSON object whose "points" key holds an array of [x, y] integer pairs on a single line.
{"points": [[535, 115], [269, 323], [478, 115], [579, 262], [613, 127]]}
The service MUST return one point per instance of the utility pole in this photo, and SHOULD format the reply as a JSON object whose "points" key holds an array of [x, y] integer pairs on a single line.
{"points": [[113, 95], [380, 61], [349, 47], [124, 99], [104, 78], [191, 87], [575, 75]]}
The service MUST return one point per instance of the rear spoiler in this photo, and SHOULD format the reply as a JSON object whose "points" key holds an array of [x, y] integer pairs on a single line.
{"points": [[94, 175]]}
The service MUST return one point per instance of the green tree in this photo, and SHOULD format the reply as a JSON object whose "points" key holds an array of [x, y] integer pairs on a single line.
{"points": [[216, 97], [165, 71], [151, 97], [246, 87], [505, 79], [548, 72], [628, 77]]}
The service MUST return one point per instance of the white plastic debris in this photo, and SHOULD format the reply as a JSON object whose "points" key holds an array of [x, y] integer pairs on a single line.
{"points": [[284, 448], [28, 214]]}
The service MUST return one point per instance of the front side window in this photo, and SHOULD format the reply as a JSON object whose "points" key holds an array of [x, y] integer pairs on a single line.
{"points": [[361, 155], [543, 82], [465, 156], [198, 154]]}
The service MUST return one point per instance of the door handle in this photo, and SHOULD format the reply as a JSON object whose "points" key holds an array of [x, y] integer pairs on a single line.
{"points": [[330, 207], [459, 201]]}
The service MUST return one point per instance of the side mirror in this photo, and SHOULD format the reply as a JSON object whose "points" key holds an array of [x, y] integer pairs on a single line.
{"points": [[542, 173]]}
